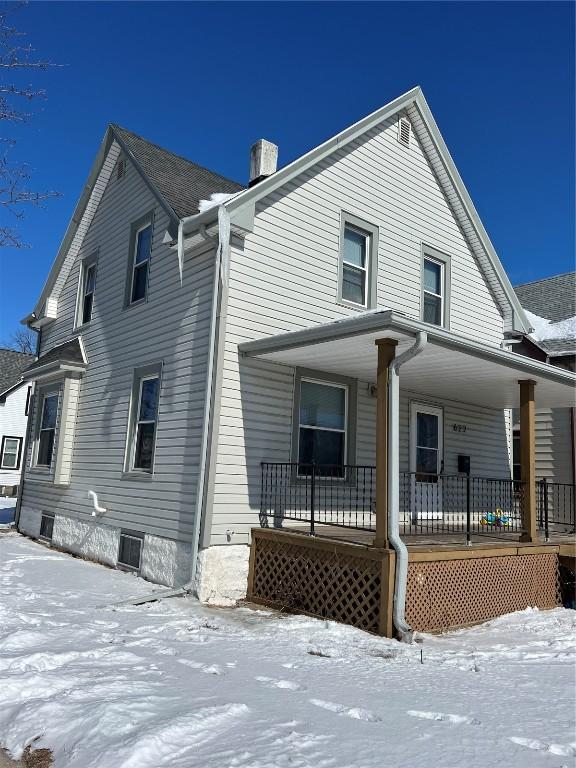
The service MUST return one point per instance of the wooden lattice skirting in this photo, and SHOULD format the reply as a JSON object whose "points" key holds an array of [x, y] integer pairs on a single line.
{"points": [[452, 593], [353, 584]]}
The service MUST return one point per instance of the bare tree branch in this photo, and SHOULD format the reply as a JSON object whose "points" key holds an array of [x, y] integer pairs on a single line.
{"points": [[22, 340], [15, 176]]}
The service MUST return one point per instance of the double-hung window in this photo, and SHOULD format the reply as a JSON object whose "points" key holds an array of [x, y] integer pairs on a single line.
{"points": [[88, 287], [47, 430], [145, 422], [355, 266], [142, 244], [435, 287], [358, 260], [10, 453], [322, 427]]}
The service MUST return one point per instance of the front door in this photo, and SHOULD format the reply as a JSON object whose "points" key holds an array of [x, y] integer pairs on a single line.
{"points": [[426, 449]]}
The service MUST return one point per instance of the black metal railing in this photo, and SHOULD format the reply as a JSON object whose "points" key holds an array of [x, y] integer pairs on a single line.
{"points": [[345, 496], [555, 507], [319, 494], [447, 504]]}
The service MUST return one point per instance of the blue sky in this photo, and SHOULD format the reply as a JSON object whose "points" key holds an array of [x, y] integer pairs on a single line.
{"points": [[207, 79]]}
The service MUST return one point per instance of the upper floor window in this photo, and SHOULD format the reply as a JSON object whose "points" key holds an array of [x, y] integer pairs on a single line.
{"points": [[435, 288], [140, 263], [88, 287], [10, 453], [47, 430], [146, 391], [358, 262]]}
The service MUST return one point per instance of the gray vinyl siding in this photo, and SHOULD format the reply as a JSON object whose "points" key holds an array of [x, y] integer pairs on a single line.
{"points": [[171, 327], [554, 457], [285, 277]]}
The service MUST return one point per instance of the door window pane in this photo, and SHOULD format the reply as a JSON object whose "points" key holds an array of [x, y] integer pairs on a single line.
{"points": [[427, 461], [427, 430]]}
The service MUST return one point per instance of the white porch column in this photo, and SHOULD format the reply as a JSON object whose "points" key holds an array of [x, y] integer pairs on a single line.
{"points": [[386, 353]]}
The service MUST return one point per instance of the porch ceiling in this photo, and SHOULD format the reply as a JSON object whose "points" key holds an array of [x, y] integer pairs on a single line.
{"points": [[450, 366]]}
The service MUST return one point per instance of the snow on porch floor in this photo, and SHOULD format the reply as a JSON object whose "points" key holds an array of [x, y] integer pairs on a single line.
{"points": [[181, 685]]}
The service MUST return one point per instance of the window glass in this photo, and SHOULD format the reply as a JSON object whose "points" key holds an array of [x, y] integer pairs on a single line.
{"points": [[432, 309], [140, 264], [322, 405], [89, 288], [145, 429], [47, 430], [354, 266], [354, 247], [432, 277], [322, 432], [426, 443], [9, 459]]}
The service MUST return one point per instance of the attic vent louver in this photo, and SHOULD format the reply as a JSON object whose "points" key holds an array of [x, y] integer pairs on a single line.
{"points": [[120, 168], [404, 131]]}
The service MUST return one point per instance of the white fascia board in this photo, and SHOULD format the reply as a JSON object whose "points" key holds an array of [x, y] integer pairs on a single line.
{"points": [[72, 226]]}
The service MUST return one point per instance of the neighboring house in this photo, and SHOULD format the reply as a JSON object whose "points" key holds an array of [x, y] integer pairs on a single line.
{"points": [[192, 329], [14, 405], [550, 306]]}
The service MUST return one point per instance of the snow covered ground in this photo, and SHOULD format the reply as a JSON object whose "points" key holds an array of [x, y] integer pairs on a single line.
{"points": [[176, 684]]}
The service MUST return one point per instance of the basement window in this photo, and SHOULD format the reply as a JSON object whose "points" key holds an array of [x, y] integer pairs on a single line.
{"points": [[46, 527], [130, 550]]}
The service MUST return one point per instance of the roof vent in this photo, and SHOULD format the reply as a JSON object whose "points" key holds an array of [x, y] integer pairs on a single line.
{"points": [[263, 160], [120, 168], [404, 131]]}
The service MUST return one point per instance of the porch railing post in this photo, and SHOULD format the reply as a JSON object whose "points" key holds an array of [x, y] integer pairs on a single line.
{"points": [[545, 505], [528, 459], [312, 495], [468, 537]]}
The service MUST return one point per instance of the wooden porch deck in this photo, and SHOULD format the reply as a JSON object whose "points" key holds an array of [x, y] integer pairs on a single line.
{"points": [[448, 542]]}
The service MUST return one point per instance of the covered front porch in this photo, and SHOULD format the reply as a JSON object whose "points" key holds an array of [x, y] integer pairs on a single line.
{"points": [[384, 507]]}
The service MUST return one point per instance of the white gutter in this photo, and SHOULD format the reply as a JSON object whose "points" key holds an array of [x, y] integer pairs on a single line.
{"points": [[404, 629], [220, 277]]}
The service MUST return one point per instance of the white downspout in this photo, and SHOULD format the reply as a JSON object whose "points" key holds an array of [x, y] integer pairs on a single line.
{"points": [[220, 277], [405, 631]]}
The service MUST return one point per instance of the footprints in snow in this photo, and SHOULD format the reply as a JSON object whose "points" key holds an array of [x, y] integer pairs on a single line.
{"points": [[288, 685], [454, 719], [355, 713], [209, 669], [564, 750]]}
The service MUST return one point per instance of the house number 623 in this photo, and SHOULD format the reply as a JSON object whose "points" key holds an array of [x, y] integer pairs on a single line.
{"points": [[459, 427]]}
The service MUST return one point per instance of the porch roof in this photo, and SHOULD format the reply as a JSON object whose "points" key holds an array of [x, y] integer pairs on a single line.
{"points": [[450, 366]]}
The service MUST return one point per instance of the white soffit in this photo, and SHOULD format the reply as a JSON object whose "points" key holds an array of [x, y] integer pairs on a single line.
{"points": [[461, 375]]}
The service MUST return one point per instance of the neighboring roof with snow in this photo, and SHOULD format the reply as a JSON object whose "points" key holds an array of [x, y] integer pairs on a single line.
{"points": [[181, 182], [12, 363], [553, 298]]}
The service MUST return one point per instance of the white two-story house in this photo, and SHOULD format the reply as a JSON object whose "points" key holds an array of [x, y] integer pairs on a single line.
{"points": [[14, 406], [196, 355]]}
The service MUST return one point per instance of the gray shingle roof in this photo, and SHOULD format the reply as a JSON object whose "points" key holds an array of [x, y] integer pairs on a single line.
{"points": [[12, 363], [553, 298], [181, 182], [557, 346], [69, 352]]}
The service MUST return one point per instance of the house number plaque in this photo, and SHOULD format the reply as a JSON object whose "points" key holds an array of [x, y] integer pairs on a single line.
{"points": [[459, 427]]}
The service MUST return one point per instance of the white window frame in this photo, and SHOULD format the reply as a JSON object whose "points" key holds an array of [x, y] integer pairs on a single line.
{"points": [[323, 383], [135, 266], [370, 269], [45, 396], [18, 440], [442, 295], [355, 267], [137, 422], [87, 265]]}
